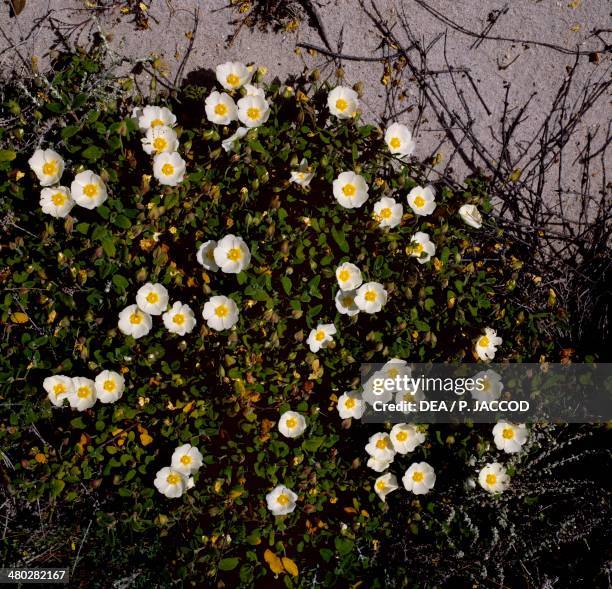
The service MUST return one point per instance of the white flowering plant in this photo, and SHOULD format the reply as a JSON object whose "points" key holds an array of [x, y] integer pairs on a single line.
{"points": [[195, 281]]}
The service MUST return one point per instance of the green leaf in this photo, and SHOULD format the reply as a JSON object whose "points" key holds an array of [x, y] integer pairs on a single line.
{"points": [[108, 246], [228, 564], [56, 487], [123, 222], [313, 444], [286, 282], [120, 282], [7, 155], [92, 153], [69, 131], [343, 545], [340, 239]]}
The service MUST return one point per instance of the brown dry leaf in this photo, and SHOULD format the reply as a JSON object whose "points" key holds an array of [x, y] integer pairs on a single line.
{"points": [[17, 6]]}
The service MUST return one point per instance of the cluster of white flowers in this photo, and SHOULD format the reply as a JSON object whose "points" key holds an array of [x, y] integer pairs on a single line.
{"points": [[172, 481], [252, 109], [87, 189], [82, 393], [161, 141], [152, 299]]}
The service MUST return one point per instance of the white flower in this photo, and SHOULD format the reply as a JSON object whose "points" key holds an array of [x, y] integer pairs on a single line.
{"points": [[350, 190], [494, 478], [379, 446], [422, 248], [471, 215], [321, 337], [281, 500], [343, 102], [406, 438], [56, 201], [169, 168], [420, 478], [302, 175], [345, 302], [83, 393], [378, 464], [399, 140], [109, 386], [385, 484], [220, 108], [291, 424], [232, 254], [152, 298], [253, 111], [348, 276], [231, 142], [350, 404], [186, 459], [491, 386], [179, 319], [422, 200], [58, 387], [88, 190], [391, 370], [409, 396], [509, 437], [160, 139], [172, 483], [371, 297], [388, 212], [250, 90], [220, 313], [47, 165], [486, 346], [132, 321], [206, 255], [233, 74], [155, 116]]}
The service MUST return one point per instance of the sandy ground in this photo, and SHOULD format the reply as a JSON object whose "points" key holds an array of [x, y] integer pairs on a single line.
{"points": [[521, 68]]}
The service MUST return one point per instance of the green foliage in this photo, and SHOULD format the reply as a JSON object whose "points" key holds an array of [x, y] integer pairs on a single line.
{"points": [[225, 391]]}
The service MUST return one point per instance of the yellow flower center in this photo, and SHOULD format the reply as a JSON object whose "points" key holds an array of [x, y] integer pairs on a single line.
{"points": [[382, 443], [392, 372], [234, 254], [135, 318], [320, 335], [350, 403], [185, 459], [344, 275], [221, 311], [167, 169], [50, 168], [253, 113], [347, 301], [109, 385], [486, 384], [291, 423], [417, 248], [508, 433], [152, 298], [419, 201], [341, 104], [491, 479], [83, 392], [386, 213], [232, 80], [90, 190], [380, 485], [282, 499], [221, 109], [173, 479], [59, 198], [370, 296], [179, 319], [395, 142], [349, 190], [157, 123], [58, 389], [160, 144], [402, 436], [417, 476], [483, 342]]}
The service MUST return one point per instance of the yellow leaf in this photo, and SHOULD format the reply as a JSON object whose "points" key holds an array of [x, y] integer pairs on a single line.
{"points": [[145, 439], [19, 317], [275, 563], [290, 566], [516, 174]]}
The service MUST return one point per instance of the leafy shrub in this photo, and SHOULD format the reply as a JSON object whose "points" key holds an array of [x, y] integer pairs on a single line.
{"points": [[65, 281]]}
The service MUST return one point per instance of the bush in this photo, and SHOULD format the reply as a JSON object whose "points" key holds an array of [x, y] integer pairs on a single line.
{"points": [[66, 280]]}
